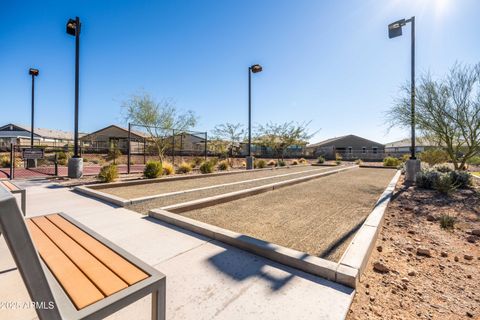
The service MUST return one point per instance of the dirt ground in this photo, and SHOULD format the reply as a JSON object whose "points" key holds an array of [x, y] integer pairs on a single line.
{"points": [[445, 285], [145, 206], [131, 192], [318, 217]]}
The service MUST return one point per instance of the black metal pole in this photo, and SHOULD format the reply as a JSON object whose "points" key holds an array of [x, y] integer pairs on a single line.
{"points": [[173, 146], [77, 63], [206, 140], [12, 161], [128, 147], [413, 155], [144, 150], [33, 111], [249, 112]]}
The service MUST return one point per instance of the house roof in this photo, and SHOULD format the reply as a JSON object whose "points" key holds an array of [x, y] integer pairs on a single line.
{"points": [[419, 142], [134, 132], [41, 132], [332, 140]]}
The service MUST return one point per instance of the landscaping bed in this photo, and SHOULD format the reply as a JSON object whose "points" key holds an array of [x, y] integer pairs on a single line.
{"points": [[423, 271], [318, 217]]}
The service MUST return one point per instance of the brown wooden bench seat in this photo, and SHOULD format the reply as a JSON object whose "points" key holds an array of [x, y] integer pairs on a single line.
{"points": [[84, 274], [13, 188]]}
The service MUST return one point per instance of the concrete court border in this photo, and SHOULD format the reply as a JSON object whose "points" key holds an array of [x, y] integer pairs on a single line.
{"points": [[347, 271], [122, 202]]}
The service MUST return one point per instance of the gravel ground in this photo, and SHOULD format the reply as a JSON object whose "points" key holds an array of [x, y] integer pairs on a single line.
{"points": [[144, 207], [131, 192], [318, 217]]}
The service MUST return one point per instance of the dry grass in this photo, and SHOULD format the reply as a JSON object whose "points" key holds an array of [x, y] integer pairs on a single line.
{"points": [[318, 217]]}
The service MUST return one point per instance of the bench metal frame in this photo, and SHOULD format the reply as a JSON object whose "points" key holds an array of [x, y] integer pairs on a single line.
{"points": [[43, 288], [21, 191]]}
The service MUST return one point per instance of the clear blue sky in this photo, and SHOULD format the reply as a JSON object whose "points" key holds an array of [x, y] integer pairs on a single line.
{"points": [[326, 61]]}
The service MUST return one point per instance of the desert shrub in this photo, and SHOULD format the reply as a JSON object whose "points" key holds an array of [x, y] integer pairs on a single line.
{"points": [[338, 162], [302, 160], [4, 161], [272, 163], [391, 162], [207, 167], [405, 157], [445, 184], [244, 164], [426, 179], [447, 221], [434, 156], [281, 163], [358, 161], [461, 179], [338, 157], [474, 161], [196, 161], [320, 159], [443, 168], [113, 154], [260, 164], [168, 168], [294, 162], [153, 169], [223, 165], [214, 161], [184, 167], [108, 173], [62, 158]]}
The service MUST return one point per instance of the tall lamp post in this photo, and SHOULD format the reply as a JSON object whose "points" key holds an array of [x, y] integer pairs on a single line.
{"points": [[75, 164], [31, 163], [395, 30], [252, 69]]}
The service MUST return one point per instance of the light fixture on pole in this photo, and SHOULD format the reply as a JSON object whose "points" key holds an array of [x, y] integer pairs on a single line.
{"points": [[31, 163], [256, 68], [395, 30], [75, 164]]}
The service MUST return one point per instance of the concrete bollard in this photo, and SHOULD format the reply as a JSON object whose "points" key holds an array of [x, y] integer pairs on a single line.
{"points": [[412, 167]]}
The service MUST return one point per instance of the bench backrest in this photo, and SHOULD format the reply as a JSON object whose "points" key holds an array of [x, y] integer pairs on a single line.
{"points": [[19, 242], [10, 186]]}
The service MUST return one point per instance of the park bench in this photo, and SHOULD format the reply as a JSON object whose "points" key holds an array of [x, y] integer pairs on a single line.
{"points": [[70, 271], [13, 188]]}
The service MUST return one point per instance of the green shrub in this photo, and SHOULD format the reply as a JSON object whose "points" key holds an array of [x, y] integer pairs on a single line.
{"points": [[168, 168], [320, 159], [338, 157], [426, 179], [153, 169], [260, 164], [294, 162], [207, 167], [443, 168], [434, 156], [62, 155], [445, 184], [214, 161], [196, 161], [358, 162], [474, 161], [447, 221], [108, 173], [461, 179], [391, 162], [4, 162], [184, 167], [272, 163], [338, 162], [405, 157], [223, 165], [281, 163]]}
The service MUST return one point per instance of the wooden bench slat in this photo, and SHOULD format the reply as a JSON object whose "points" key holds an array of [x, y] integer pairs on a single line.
{"points": [[10, 186], [102, 277], [78, 287], [119, 265]]}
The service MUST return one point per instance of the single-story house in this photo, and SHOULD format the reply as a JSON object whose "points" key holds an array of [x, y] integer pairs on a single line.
{"points": [[21, 135], [350, 147], [401, 147], [113, 136]]}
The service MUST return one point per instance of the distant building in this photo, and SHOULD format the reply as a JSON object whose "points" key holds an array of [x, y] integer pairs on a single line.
{"points": [[350, 147], [401, 147], [112, 136], [21, 135]]}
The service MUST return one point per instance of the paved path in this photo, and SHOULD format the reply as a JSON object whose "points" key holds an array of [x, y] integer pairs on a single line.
{"points": [[205, 278]]}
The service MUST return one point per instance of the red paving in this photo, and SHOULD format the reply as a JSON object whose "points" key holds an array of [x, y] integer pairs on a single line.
{"points": [[42, 172]]}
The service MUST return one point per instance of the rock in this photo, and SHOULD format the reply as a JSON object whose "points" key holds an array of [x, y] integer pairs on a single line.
{"points": [[372, 299], [476, 232], [412, 273], [406, 280], [380, 267], [469, 276], [456, 259], [444, 254], [469, 314], [471, 239], [411, 231], [379, 248], [424, 252], [468, 257], [431, 217]]}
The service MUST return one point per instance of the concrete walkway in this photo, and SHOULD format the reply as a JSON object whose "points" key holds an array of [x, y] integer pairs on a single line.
{"points": [[205, 278]]}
